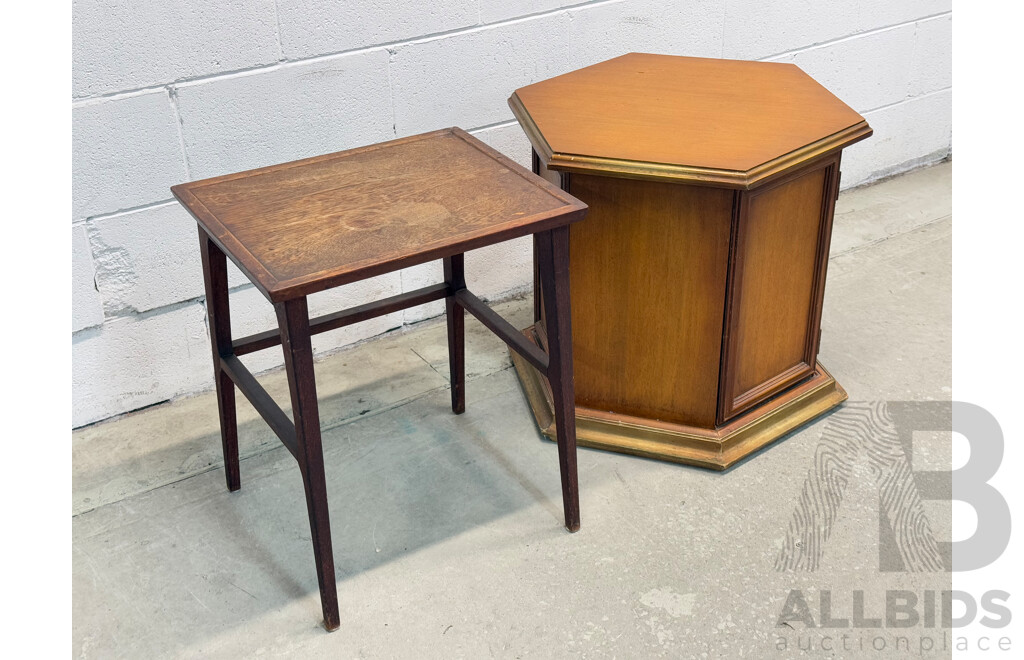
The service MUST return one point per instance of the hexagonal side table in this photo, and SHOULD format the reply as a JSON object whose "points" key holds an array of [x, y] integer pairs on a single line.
{"points": [[698, 278]]}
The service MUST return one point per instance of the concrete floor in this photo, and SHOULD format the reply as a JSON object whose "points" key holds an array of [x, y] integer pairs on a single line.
{"points": [[447, 530]]}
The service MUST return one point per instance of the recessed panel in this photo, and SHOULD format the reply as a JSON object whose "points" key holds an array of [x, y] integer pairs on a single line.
{"points": [[775, 275]]}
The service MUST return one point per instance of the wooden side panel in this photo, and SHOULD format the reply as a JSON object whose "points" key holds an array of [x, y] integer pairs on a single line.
{"points": [[648, 281], [779, 260], [541, 169]]}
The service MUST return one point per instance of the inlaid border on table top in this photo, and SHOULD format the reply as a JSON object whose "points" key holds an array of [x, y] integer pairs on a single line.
{"points": [[278, 290]]}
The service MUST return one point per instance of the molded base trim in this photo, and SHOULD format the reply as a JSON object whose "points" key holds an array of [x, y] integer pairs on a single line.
{"points": [[717, 448]]}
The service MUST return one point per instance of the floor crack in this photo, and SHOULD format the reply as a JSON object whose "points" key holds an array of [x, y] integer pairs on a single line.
{"points": [[430, 365], [877, 241]]}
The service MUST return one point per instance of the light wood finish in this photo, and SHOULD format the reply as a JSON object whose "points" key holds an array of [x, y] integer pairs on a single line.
{"points": [[716, 448], [313, 224], [777, 274], [698, 279], [677, 295], [716, 122]]}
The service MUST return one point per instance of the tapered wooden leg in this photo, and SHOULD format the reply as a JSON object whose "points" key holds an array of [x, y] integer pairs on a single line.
{"points": [[454, 276], [535, 161], [293, 319], [537, 295], [215, 275], [553, 264]]}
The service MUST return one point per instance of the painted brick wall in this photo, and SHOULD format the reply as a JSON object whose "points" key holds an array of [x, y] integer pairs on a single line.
{"points": [[168, 92]]}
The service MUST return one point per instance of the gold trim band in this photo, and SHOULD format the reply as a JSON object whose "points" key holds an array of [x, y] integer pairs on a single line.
{"points": [[718, 448], [633, 169]]}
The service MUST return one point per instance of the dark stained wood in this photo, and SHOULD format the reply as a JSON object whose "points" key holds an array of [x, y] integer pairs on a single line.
{"points": [[215, 276], [455, 316], [505, 330], [264, 404], [780, 251], [555, 179], [314, 224], [728, 122], [649, 282], [333, 321], [536, 168], [293, 319], [554, 276], [311, 225]]}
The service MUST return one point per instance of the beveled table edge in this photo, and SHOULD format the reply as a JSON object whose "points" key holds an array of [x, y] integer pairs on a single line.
{"points": [[277, 290], [706, 176]]}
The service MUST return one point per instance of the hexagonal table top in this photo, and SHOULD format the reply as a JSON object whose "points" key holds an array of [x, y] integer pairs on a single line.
{"points": [[724, 122]]}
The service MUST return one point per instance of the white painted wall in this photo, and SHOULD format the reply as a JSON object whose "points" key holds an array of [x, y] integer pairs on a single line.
{"points": [[165, 92]]}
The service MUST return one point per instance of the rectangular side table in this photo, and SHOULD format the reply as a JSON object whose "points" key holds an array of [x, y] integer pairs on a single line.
{"points": [[298, 228]]}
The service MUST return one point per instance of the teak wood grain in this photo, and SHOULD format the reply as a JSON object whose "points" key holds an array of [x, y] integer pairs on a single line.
{"points": [[773, 278], [310, 225], [777, 275], [698, 280], [649, 283], [705, 121]]}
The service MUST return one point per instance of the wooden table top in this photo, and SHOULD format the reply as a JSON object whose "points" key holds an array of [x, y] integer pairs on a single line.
{"points": [[714, 121], [310, 225]]}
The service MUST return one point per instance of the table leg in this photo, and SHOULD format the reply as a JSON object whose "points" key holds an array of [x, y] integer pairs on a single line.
{"points": [[215, 275], [455, 278], [293, 319], [535, 161], [553, 265]]}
